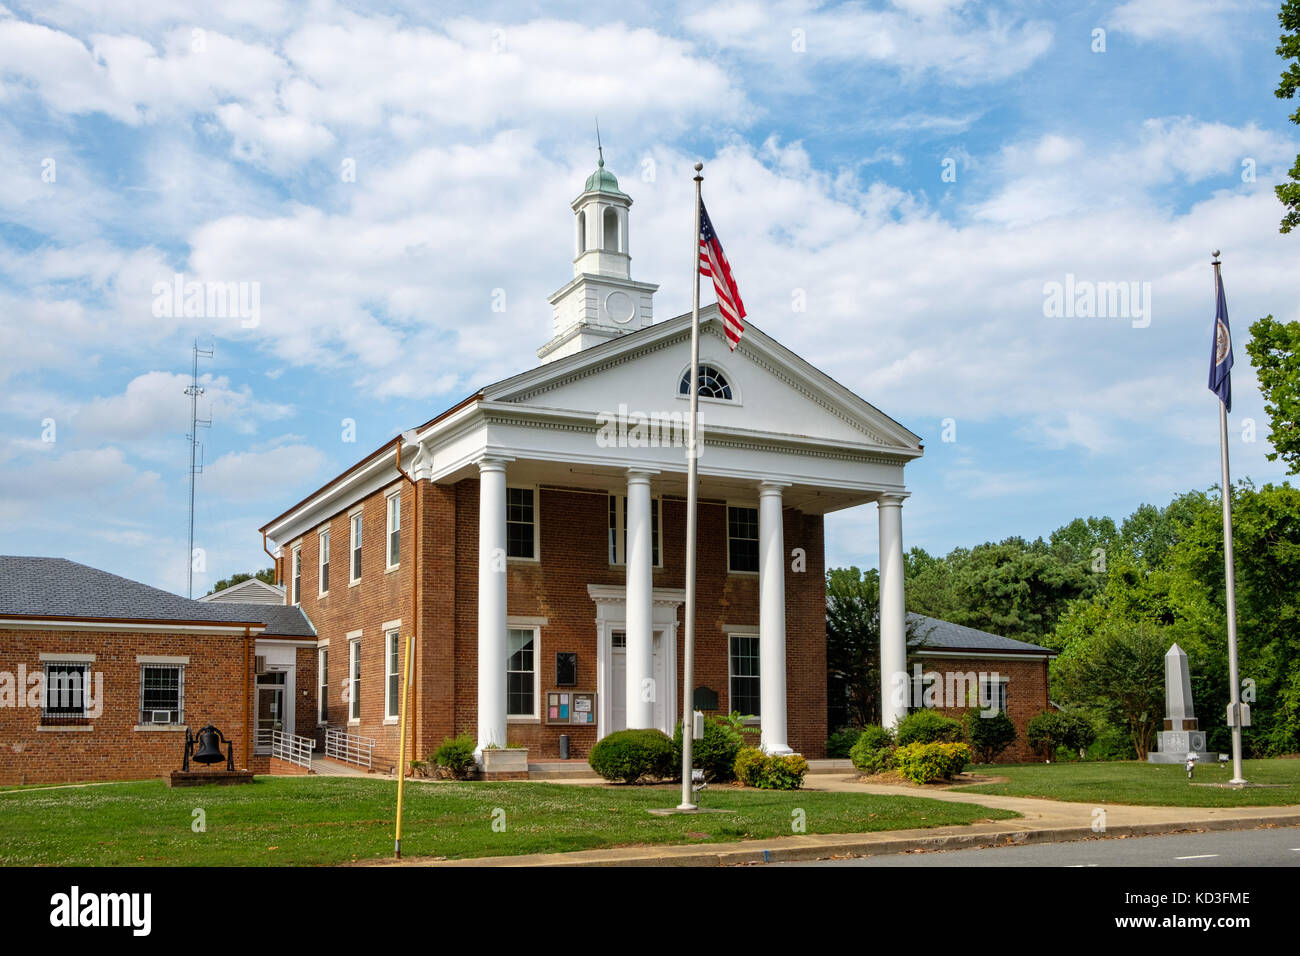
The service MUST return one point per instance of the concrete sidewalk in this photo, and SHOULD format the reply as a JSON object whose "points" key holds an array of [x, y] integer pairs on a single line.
{"points": [[1041, 821]]}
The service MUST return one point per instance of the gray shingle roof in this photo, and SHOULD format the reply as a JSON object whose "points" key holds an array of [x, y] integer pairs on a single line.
{"points": [[945, 636], [57, 587]]}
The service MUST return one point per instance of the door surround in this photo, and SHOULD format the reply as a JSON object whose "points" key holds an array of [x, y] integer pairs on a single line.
{"points": [[611, 615]]}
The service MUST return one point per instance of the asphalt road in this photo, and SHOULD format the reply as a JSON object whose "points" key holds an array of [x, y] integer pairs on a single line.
{"points": [[1270, 847]]}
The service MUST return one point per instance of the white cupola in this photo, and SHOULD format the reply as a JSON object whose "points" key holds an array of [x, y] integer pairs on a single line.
{"points": [[601, 301]]}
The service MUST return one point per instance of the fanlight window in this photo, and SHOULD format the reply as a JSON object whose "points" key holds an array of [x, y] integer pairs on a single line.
{"points": [[713, 384]]}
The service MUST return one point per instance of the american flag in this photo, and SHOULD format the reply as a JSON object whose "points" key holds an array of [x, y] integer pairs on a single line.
{"points": [[714, 263]]}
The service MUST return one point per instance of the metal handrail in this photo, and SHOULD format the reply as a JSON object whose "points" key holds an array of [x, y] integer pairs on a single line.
{"points": [[292, 748], [350, 748]]}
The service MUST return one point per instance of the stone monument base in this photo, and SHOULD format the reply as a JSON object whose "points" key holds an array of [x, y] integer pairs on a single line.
{"points": [[1173, 745]]}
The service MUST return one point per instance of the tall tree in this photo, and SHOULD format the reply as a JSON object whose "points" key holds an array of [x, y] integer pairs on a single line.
{"points": [[1289, 49], [265, 575], [1274, 350]]}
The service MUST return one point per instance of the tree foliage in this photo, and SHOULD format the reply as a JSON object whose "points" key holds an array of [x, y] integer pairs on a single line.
{"points": [[266, 576], [1289, 49], [1274, 350]]}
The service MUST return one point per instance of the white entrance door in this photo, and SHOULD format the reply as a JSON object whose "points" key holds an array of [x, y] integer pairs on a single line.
{"points": [[618, 682]]}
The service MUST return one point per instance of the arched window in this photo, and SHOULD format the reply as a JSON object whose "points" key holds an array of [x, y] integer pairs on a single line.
{"points": [[713, 384], [582, 231], [611, 230]]}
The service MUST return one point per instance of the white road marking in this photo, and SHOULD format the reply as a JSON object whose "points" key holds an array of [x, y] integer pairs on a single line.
{"points": [[1201, 856]]}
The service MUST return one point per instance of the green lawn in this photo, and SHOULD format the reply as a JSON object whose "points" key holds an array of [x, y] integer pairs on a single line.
{"points": [[309, 820], [1144, 784]]}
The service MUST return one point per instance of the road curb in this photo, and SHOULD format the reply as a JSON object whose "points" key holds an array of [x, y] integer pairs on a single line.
{"points": [[831, 846]]}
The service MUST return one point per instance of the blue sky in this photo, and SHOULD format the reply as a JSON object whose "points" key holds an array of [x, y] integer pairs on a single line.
{"points": [[137, 144]]}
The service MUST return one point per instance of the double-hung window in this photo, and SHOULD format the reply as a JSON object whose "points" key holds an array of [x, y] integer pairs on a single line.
{"points": [[162, 694], [354, 678], [742, 539], [323, 701], [297, 575], [393, 673], [521, 523], [394, 529], [325, 561], [618, 531], [743, 674], [355, 544], [521, 672]]}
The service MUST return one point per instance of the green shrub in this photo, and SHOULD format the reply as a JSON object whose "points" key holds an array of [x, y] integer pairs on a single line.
{"points": [[455, 756], [841, 742], [988, 736], [874, 750], [928, 727], [926, 763], [716, 753], [1059, 728], [1112, 743], [756, 769], [631, 755]]}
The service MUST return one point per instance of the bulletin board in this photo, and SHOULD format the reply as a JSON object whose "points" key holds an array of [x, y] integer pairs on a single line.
{"points": [[568, 707]]}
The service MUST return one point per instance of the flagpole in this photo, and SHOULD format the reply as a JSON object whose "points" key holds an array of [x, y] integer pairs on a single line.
{"points": [[1234, 682], [692, 479]]}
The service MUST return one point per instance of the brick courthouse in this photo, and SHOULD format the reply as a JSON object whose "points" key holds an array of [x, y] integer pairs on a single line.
{"points": [[530, 541]]}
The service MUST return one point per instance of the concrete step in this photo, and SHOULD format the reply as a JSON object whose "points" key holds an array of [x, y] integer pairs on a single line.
{"points": [[560, 770]]}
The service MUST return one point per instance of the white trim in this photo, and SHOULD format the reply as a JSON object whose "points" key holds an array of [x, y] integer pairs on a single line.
{"points": [[389, 508], [389, 625], [90, 624], [321, 563], [353, 635], [389, 632], [322, 681], [160, 659], [161, 728], [537, 524], [68, 658], [356, 523], [731, 381], [58, 728], [987, 655], [520, 621], [353, 676], [731, 708], [536, 715], [295, 575], [726, 520], [323, 642], [611, 615]]}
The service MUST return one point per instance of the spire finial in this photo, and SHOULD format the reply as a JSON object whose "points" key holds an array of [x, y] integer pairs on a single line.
{"points": [[599, 149]]}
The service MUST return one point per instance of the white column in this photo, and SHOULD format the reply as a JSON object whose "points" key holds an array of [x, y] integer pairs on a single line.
{"points": [[641, 688], [491, 603], [771, 619], [893, 631]]}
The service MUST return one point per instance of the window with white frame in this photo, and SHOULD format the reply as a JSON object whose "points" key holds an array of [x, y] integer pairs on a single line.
{"points": [[742, 669], [354, 678], [162, 693], [618, 531], [713, 383], [323, 682], [325, 561], [521, 523], [394, 529], [393, 673], [355, 543], [65, 691], [521, 672], [742, 539], [297, 575]]}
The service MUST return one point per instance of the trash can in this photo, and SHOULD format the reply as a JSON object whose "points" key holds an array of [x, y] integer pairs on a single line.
{"points": [[564, 746]]}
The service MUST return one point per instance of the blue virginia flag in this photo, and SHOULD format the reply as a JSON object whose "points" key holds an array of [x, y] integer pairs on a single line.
{"points": [[1221, 351]]}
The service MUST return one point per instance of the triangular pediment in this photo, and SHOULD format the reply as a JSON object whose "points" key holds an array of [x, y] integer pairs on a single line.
{"points": [[774, 392]]}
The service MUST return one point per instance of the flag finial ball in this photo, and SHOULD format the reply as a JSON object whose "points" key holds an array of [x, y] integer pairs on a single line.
{"points": [[698, 167], [1215, 253]]}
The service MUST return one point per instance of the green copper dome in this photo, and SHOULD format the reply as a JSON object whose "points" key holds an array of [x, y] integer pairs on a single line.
{"points": [[602, 180]]}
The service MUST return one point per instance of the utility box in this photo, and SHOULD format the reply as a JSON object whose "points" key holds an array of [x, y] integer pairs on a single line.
{"points": [[699, 726]]}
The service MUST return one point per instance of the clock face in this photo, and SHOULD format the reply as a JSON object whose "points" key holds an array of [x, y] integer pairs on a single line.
{"points": [[620, 307]]}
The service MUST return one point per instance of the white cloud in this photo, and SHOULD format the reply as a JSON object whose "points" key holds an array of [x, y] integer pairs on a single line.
{"points": [[1203, 20]]}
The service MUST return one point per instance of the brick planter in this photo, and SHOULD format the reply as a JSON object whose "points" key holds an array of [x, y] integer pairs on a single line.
{"points": [[509, 763]]}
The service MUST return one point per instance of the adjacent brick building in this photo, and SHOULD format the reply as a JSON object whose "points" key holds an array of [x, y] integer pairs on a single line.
{"points": [[101, 675]]}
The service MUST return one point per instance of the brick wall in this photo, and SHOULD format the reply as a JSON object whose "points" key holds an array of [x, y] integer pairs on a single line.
{"points": [[113, 749], [1026, 692]]}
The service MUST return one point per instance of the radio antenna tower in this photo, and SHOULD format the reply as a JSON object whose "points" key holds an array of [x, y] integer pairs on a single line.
{"points": [[196, 450]]}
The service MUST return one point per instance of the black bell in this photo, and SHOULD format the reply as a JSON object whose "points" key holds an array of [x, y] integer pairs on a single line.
{"points": [[209, 747]]}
